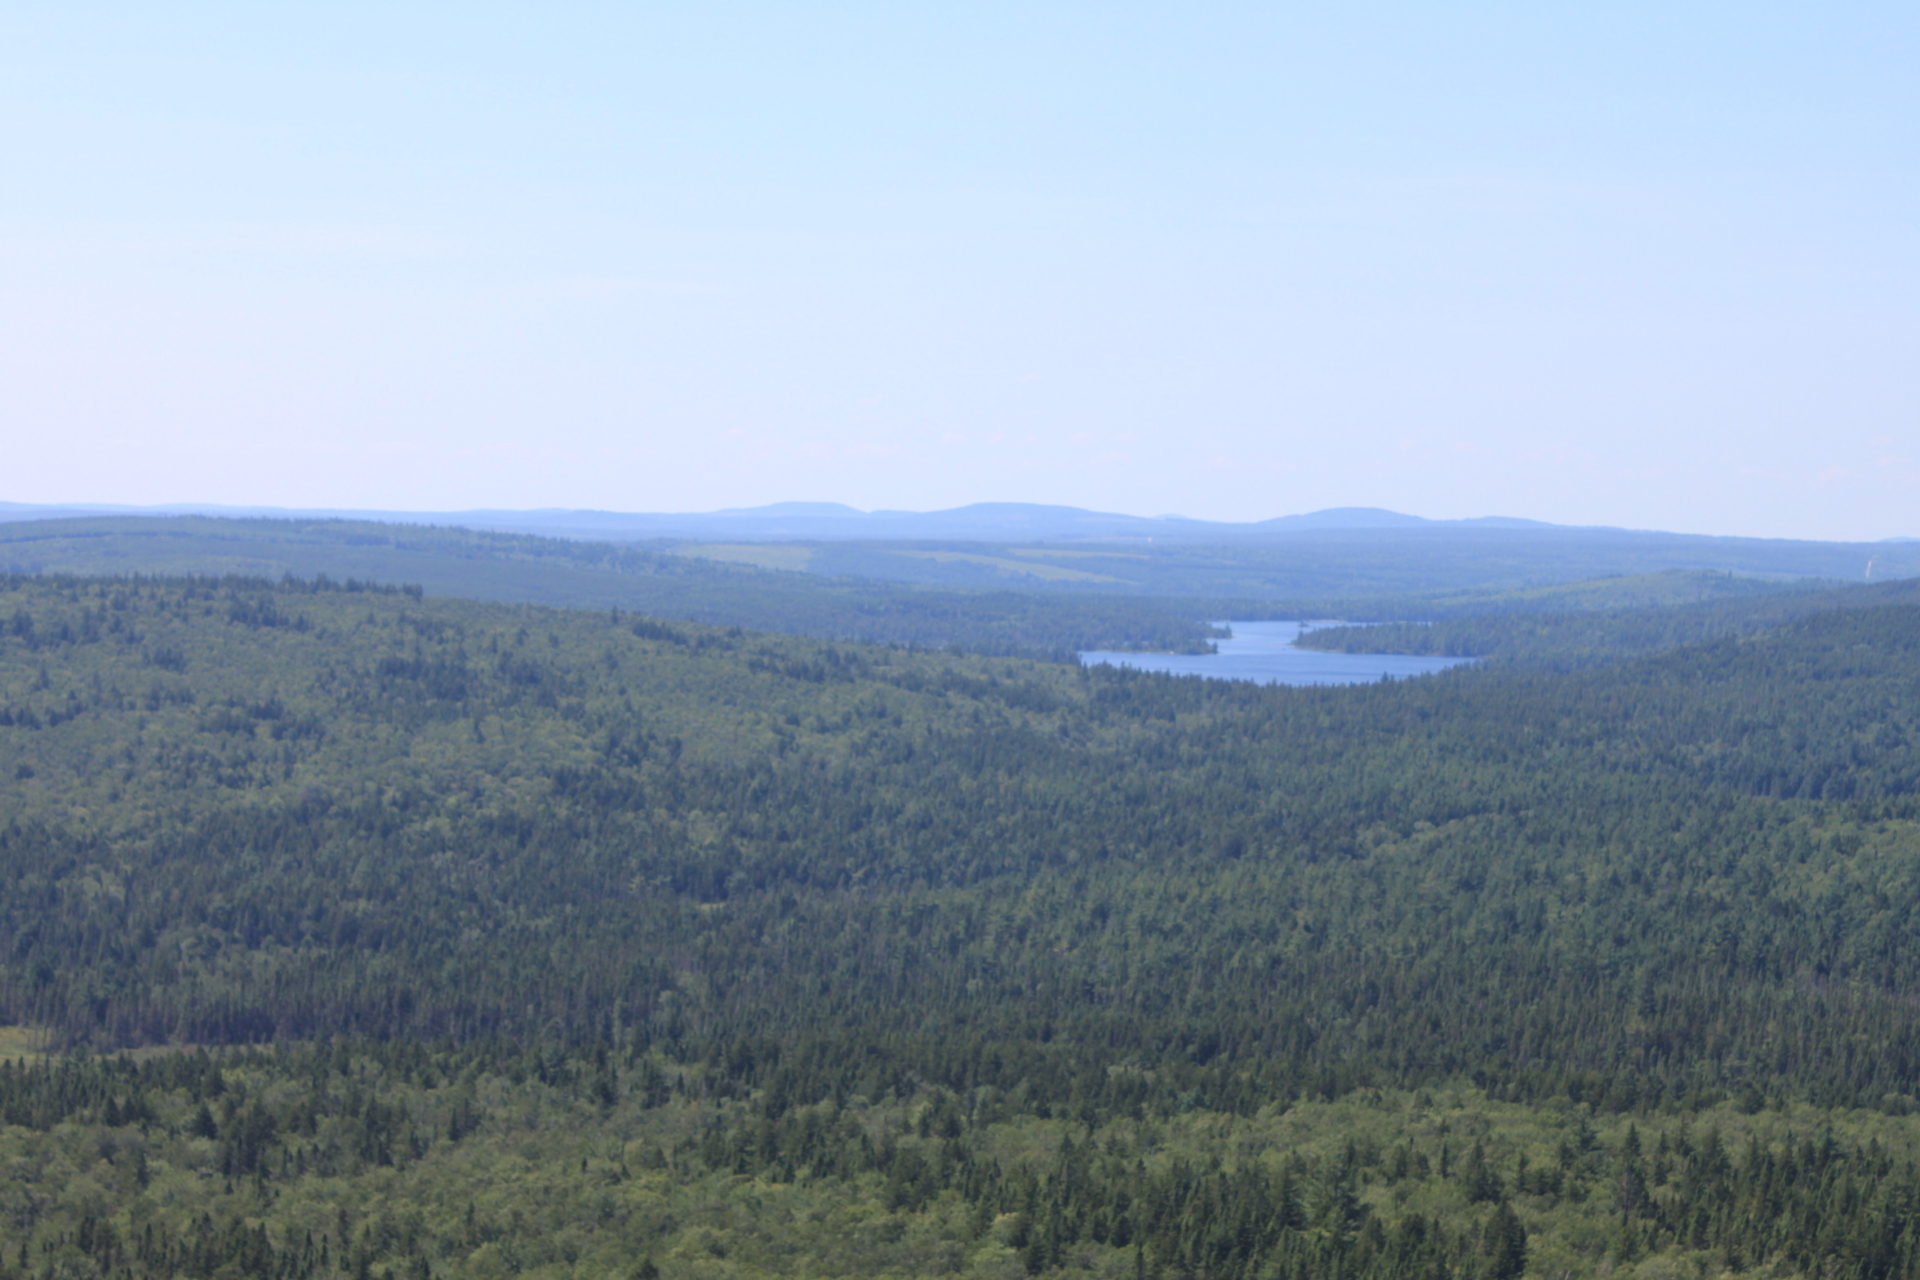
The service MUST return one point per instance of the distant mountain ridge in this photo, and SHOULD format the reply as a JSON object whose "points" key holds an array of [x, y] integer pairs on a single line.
{"points": [[821, 521], [801, 521]]}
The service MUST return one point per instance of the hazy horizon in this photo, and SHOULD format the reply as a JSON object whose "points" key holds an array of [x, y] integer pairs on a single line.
{"points": [[1628, 266], [241, 509]]}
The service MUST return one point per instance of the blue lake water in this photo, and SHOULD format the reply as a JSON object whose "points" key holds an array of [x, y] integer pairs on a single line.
{"points": [[1264, 652]]}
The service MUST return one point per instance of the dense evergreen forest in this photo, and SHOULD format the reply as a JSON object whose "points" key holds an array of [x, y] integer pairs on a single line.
{"points": [[347, 931]]}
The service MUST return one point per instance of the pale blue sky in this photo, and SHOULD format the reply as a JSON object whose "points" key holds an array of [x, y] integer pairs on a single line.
{"points": [[1644, 264]]}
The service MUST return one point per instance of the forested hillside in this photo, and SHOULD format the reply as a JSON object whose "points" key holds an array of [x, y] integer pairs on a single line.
{"points": [[1045, 600], [603, 575], [1567, 637], [586, 943], [1430, 562]]}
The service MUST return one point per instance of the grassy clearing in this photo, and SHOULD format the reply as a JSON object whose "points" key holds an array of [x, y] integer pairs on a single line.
{"points": [[22, 1042], [1057, 553], [759, 555], [1045, 572]]}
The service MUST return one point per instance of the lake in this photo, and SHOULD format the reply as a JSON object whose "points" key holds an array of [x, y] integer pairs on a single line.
{"points": [[1264, 653]]}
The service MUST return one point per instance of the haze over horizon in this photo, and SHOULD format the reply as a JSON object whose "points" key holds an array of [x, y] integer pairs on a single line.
{"points": [[803, 519], [1634, 267]]}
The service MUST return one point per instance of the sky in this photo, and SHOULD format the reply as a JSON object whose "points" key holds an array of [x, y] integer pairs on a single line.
{"points": [[1643, 264]]}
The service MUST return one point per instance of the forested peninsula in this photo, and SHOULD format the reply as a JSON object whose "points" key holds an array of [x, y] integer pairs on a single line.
{"points": [[351, 931]]}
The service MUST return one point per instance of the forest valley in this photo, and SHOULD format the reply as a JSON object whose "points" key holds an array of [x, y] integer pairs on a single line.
{"points": [[351, 932]]}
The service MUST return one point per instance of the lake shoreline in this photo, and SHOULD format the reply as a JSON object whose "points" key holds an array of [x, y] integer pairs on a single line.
{"points": [[1264, 652]]}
